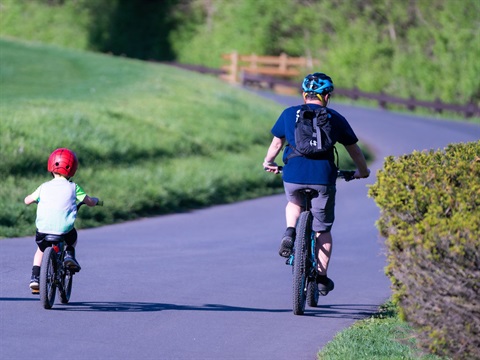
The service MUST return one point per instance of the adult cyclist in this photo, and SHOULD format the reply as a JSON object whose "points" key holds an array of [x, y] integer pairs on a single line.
{"points": [[300, 172]]}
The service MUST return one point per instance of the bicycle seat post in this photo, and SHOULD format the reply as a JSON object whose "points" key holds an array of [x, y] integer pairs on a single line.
{"points": [[308, 195]]}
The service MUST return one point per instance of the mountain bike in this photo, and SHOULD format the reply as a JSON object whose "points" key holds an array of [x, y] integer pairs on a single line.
{"points": [[54, 275], [303, 259]]}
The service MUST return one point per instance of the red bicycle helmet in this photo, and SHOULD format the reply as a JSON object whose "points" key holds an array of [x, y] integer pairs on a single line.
{"points": [[63, 161]]}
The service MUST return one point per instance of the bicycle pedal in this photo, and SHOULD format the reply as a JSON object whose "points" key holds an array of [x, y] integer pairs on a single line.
{"points": [[35, 292]]}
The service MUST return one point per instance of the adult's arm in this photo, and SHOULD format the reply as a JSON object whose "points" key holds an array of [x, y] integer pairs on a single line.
{"points": [[273, 150], [359, 159]]}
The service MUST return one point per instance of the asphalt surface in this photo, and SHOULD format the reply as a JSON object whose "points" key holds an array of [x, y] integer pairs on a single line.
{"points": [[209, 284]]}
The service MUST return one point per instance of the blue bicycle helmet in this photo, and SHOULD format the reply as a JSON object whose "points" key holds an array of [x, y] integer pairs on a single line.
{"points": [[318, 83]]}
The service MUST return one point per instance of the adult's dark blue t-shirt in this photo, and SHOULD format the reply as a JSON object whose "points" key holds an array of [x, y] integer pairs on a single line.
{"points": [[299, 169]]}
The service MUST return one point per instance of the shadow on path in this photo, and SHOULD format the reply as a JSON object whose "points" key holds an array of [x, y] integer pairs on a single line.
{"points": [[33, 298], [339, 311], [343, 311]]}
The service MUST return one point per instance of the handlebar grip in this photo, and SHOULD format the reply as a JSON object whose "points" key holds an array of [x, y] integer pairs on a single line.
{"points": [[347, 175], [280, 169]]}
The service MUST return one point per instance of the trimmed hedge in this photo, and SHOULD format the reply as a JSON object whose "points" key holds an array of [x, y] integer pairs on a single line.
{"points": [[430, 217]]}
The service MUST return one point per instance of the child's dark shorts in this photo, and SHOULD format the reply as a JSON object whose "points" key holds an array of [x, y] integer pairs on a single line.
{"points": [[70, 239], [323, 206]]}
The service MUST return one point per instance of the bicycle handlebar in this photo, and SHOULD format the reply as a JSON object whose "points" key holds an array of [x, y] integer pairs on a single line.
{"points": [[347, 175]]}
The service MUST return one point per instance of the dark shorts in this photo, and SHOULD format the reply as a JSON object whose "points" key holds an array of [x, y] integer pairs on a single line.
{"points": [[323, 206], [70, 239]]}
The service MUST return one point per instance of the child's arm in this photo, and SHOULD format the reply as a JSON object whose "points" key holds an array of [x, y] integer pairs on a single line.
{"points": [[90, 201], [29, 199], [83, 197], [33, 197]]}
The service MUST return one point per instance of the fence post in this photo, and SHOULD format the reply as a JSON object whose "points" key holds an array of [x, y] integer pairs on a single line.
{"points": [[438, 105], [234, 67], [469, 110], [382, 101], [411, 103], [355, 93], [282, 65]]}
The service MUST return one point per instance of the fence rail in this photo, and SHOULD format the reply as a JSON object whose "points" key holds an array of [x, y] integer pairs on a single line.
{"points": [[266, 81], [468, 110], [283, 66]]}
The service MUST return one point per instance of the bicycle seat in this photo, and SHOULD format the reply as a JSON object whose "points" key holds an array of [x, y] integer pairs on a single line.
{"points": [[311, 193], [54, 238]]}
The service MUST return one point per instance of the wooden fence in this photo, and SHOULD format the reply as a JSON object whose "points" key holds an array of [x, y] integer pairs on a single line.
{"points": [[271, 82], [383, 100], [281, 67]]}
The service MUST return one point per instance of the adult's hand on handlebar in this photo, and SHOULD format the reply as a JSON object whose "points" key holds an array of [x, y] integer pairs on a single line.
{"points": [[271, 167], [359, 175]]}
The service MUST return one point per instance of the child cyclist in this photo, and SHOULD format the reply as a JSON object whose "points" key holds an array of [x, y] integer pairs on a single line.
{"points": [[57, 209]]}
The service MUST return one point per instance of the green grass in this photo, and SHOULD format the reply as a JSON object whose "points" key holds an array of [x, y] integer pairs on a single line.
{"points": [[150, 139], [381, 337]]}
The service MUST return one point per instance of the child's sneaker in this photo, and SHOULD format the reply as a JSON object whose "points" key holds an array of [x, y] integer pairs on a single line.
{"points": [[34, 284], [70, 261]]}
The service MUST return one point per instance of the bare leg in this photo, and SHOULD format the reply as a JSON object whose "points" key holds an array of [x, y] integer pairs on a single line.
{"points": [[324, 250], [37, 259], [292, 212]]}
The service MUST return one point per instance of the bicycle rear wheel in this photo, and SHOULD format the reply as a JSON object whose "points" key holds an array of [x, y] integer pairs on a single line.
{"points": [[47, 278], [312, 293], [304, 226], [67, 281]]}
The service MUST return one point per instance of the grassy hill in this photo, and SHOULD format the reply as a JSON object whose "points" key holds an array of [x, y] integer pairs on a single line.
{"points": [[151, 139]]}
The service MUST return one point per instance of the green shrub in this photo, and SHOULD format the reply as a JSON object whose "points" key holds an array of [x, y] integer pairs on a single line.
{"points": [[430, 216]]}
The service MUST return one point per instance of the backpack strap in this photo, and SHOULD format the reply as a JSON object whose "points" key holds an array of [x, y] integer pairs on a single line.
{"points": [[295, 152]]}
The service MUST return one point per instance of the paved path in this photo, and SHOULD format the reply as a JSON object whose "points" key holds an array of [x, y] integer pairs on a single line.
{"points": [[209, 284]]}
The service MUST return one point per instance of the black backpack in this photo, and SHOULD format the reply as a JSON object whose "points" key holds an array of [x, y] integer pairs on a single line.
{"points": [[314, 135]]}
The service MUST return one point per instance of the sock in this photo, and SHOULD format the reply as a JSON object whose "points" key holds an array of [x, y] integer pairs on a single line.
{"points": [[290, 232], [36, 270]]}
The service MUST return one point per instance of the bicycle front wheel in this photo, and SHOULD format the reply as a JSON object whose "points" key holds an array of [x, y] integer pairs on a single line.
{"points": [[47, 278], [304, 230]]}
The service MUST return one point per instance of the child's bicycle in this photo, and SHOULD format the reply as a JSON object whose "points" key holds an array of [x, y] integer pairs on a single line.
{"points": [[54, 275], [303, 259]]}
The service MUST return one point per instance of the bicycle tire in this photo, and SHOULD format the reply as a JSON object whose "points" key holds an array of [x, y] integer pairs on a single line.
{"points": [[67, 282], [312, 293], [300, 262], [47, 278]]}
